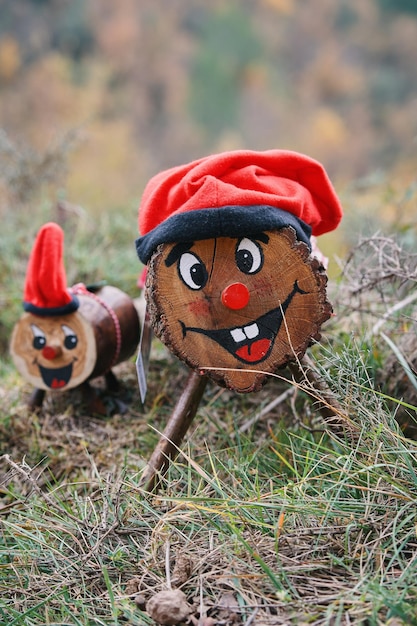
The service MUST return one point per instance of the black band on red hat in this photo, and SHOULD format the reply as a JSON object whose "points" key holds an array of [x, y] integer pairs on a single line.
{"points": [[70, 307], [225, 221]]}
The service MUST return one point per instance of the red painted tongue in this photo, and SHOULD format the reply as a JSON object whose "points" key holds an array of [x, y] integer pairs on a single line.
{"points": [[254, 351], [57, 384]]}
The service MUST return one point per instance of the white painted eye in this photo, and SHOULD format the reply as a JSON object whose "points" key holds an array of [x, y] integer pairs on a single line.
{"points": [[39, 338], [71, 339], [249, 256], [192, 270]]}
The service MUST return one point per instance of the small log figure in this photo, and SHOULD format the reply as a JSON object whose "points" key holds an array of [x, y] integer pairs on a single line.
{"points": [[67, 337], [232, 287]]}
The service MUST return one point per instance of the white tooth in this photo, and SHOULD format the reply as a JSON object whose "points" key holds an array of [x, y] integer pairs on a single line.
{"points": [[238, 334], [251, 331]]}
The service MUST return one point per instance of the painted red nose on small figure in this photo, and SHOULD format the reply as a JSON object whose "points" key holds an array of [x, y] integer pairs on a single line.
{"points": [[48, 352], [235, 296]]}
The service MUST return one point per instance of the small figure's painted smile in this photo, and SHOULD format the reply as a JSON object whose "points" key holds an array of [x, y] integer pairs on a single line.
{"points": [[253, 342], [56, 377]]}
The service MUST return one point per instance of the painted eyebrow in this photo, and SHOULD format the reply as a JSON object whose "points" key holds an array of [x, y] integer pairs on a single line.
{"points": [[259, 236], [182, 247], [177, 251]]}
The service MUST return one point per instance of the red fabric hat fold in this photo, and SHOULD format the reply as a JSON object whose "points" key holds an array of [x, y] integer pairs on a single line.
{"points": [[45, 290], [283, 179]]}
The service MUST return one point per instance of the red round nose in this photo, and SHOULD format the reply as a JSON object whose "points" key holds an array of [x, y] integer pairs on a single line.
{"points": [[48, 352], [235, 296]]}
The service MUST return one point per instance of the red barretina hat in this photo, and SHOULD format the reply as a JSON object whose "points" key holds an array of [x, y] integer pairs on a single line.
{"points": [[45, 291], [235, 194]]}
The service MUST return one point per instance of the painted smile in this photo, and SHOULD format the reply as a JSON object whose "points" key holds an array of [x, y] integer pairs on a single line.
{"points": [[56, 377], [253, 342]]}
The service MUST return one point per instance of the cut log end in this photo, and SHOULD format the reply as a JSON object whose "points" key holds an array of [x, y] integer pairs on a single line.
{"points": [[238, 309]]}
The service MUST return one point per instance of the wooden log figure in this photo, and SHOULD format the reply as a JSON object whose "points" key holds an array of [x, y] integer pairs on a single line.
{"points": [[67, 337], [232, 287]]}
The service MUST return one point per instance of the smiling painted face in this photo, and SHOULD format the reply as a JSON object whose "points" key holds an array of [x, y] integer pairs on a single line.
{"points": [[243, 306], [56, 352]]}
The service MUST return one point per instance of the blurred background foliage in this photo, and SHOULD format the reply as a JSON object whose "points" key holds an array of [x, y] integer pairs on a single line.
{"points": [[155, 83], [96, 96]]}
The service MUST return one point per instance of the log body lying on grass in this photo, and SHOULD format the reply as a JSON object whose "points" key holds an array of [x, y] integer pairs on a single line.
{"points": [[61, 352], [67, 337]]}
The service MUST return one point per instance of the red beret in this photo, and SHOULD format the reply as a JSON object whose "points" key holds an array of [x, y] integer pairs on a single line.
{"points": [[289, 181]]}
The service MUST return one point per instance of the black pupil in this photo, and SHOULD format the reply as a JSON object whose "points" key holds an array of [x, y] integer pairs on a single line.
{"points": [[39, 343], [70, 342], [198, 274], [244, 260]]}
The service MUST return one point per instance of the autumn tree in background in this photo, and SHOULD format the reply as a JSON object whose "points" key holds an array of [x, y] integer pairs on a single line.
{"points": [[153, 84]]}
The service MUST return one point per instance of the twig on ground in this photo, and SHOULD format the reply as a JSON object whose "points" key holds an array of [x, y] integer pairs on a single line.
{"points": [[167, 564], [26, 475], [252, 617], [269, 407], [396, 307]]}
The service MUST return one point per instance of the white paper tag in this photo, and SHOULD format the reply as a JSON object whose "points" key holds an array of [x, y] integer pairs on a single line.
{"points": [[144, 351]]}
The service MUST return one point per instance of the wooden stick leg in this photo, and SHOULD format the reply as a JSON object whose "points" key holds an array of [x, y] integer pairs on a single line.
{"points": [[112, 384], [91, 400], [175, 430], [36, 399], [332, 412]]}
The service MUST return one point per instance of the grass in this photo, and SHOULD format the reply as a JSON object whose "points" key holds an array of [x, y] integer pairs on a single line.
{"points": [[276, 520], [280, 524]]}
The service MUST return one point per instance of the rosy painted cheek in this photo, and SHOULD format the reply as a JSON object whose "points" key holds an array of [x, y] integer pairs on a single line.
{"points": [[263, 286], [199, 307]]}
